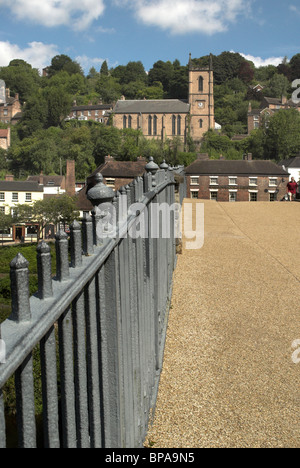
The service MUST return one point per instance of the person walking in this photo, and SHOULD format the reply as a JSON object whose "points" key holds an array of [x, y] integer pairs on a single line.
{"points": [[292, 189]]}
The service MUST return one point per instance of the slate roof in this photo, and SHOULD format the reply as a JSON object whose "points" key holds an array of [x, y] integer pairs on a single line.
{"points": [[122, 169], [50, 181], [20, 186], [291, 162], [154, 106], [235, 167], [91, 107]]}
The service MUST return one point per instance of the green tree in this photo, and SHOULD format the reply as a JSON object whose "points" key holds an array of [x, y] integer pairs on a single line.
{"points": [[283, 134], [64, 63], [104, 69], [21, 78], [109, 89], [54, 210]]}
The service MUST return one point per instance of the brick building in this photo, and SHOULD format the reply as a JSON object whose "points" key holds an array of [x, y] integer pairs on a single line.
{"points": [[116, 174], [269, 106], [98, 112], [236, 180], [5, 138], [10, 107], [168, 118]]}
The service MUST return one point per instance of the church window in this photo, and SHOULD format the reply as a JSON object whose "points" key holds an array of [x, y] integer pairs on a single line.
{"points": [[150, 125], [200, 84], [201, 123], [124, 121], [179, 125], [129, 121], [155, 125], [174, 125]]}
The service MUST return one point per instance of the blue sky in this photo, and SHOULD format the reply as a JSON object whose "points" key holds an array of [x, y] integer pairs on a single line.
{"points": [[119, 31]]}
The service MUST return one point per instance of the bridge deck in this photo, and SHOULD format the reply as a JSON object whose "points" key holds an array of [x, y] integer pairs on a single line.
{"points": [[228, 378]]}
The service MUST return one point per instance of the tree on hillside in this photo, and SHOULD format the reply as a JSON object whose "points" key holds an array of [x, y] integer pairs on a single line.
{"points": [[64, 63], [283, 135], [295, 67], [21, 78], [104, 69]]}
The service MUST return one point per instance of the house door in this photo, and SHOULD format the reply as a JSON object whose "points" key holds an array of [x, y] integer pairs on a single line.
{"points": [[19, 232]]}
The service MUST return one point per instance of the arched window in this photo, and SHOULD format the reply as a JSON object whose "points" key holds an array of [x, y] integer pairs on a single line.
{"points": [[150, 125], [201, 123], [174, 125], [200, 82], [179, 125], [129, 121], [124, 121], [155, 125]]}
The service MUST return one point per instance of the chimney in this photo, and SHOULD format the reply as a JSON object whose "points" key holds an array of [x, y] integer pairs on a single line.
{"points": [[7, 93], [41, 178], [247, 157], [17, 97], [70, 178], [283, 100], [9, 177], [250, 107], [109, 158]]}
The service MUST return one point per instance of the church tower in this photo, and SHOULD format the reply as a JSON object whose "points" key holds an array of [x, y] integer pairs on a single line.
{"points": [[201, 100]]}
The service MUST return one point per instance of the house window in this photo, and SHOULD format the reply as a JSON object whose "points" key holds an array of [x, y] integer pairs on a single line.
{"points": [[28, 197], [272, 182], [194, 193], [232, 196], [110, 182], [252, 180], [2, 196], [195, 180], [232, 180], [201, 123], [15, 197], [2, 209], [273, 196], [214, 195], [200, 84], [253, 196], [213, 180], [5, 112]]}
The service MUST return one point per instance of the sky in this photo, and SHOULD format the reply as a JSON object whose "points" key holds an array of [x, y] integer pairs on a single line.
{"points": [[121, 31]]}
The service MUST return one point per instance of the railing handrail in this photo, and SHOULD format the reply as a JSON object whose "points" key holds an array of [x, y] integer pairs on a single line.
{"points": [[21, 338]]}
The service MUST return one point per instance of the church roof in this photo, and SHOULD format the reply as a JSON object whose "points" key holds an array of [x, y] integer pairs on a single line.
{"points": [[155, 106]]}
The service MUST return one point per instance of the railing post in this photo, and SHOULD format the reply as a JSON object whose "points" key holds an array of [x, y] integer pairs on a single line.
{"points": [[101, 197], [44, 270], [76, 248], [62, 256], [19, 277]]}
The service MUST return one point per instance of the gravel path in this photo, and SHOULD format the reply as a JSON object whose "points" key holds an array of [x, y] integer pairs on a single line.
{"points": [[228, 378]]}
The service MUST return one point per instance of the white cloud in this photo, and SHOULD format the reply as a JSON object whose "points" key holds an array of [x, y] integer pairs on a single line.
{"points": [[188, 16], [78, 14], [294, 9], [260, 62], [37, 54]]}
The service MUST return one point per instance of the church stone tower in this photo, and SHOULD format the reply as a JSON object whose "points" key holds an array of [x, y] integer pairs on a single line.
{"points": [[201, 100]]}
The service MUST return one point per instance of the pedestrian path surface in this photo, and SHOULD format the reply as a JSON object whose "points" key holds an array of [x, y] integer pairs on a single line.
{"points": [[230, 377]]}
